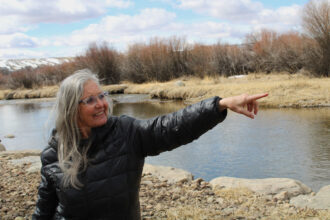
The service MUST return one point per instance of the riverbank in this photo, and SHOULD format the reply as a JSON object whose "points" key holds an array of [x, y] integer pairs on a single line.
{"points": [[284, 90], [169, 193]]}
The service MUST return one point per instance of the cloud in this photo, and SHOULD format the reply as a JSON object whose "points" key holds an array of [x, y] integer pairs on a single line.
{"points": [[285, 15], [18, 40], [252, 13], [235, 10], [21, 53], [119, 3], [10, 25], [122, 28], [22, 14]]}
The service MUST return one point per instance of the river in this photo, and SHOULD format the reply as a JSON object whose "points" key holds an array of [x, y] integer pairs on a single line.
{"points": [[292, 143]]}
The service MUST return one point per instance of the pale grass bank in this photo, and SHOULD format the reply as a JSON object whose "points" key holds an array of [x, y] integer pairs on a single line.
{"points": [[45, 92], [284, 90]]}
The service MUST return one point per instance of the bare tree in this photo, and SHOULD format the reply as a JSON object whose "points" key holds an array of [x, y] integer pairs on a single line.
{"points": [[316, 22]]}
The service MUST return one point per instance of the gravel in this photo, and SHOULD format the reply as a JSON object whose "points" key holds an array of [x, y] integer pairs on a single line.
{"points": [[159, 199]]}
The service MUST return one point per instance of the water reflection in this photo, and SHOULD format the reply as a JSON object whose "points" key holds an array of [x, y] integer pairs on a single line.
{"points": [[146, 109], [27, 121], [29, 107]]}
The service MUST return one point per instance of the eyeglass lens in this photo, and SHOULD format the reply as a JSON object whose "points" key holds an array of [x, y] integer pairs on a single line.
{"points": [[93, 99]]}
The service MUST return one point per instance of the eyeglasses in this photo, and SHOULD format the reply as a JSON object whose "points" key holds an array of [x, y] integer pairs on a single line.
{"points": [[92, 100]]}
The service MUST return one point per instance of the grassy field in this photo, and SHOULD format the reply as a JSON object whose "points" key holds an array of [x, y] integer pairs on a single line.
{"points": [[284, 90]]}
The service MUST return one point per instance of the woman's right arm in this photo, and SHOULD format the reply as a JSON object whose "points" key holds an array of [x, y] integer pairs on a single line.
{"points": [[47, 199]]}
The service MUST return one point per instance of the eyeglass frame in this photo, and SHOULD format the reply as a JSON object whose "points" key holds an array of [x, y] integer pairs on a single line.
{"points": [[95, 97]]}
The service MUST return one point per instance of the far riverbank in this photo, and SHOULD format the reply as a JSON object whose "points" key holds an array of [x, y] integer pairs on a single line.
{"points": [[284, 90]]}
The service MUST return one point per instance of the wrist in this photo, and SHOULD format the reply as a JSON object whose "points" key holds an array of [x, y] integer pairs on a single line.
{"points": [[222, 104]]}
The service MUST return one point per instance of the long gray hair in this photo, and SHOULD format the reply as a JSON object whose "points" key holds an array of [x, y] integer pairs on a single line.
{"points": [[72, 158]]}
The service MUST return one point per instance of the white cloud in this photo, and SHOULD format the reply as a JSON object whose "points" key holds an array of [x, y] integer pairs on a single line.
{"points": [[18, 40], [19, 16], [119, 3], [122, 28], [234, 10], [34, 11], [23, 13], [248, 12], [21, 53], [10, 25]]}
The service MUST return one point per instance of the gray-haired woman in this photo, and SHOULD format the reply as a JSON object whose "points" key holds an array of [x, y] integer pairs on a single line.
{"points": [[93, 165]]}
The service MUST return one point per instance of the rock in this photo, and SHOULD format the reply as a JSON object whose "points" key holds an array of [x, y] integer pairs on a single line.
{"points": [[179, 83], [172, 175], [9, 136], [198, 181], [34, 161], [19, 218], [147, 183], [282, 195], [236, 76], [219, 200], [10, 95], [320, 201], [20, 153], [2, 147], [269, 186], [209, 200], [30, 203]]}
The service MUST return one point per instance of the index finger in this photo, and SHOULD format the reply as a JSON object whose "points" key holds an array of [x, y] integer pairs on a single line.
{"points": [[257, 96]]}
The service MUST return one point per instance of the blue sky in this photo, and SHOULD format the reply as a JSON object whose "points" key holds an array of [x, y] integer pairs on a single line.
{"points": [[61, 28]]}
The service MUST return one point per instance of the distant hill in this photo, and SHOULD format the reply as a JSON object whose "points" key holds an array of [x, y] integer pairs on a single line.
{"points": [[12, 65]]}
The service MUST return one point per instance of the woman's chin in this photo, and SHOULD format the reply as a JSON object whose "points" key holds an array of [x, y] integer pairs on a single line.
{"points": [[101, 120]]}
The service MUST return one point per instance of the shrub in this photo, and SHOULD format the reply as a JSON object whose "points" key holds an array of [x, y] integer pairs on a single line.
{"points": [[53, 74], [24, 78], [200, 61], [276, 52], [103, 60], [161, 59], [316, 22], [230, 59]]}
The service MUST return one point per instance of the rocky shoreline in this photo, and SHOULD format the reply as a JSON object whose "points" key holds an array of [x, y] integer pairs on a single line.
{"points": [[170, 193]]}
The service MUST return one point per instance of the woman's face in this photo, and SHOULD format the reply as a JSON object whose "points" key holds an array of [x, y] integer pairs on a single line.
{"points": [[92, 115]]}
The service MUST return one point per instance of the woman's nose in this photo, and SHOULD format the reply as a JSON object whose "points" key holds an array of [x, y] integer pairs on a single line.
{"points": [[99, 103]]}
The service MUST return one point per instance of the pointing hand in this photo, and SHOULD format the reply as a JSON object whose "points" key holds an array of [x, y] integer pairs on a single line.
{"points": [[242, 104]]}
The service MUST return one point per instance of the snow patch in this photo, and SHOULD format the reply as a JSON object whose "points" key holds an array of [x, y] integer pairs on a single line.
{"points": [[13, 65]]}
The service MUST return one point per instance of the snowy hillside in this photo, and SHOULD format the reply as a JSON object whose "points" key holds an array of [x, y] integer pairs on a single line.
{"points": [[13, 65]]}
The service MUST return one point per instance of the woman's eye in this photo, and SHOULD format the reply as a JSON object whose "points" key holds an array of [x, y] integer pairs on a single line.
{"points": [[101, 96], [90, 100]]}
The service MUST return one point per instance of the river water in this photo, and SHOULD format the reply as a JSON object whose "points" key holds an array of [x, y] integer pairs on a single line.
{"points": [[292, 143]]}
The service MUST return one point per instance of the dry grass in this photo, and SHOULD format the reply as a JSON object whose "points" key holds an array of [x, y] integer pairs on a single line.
{"points": [[45, 92], [284, 90], [115, 89]]}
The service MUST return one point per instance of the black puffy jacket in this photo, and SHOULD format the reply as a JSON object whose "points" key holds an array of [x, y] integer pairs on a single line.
{"points": [[112, 179]]}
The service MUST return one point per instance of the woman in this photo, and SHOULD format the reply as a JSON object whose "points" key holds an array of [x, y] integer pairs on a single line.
{"points": [[93, 165]]}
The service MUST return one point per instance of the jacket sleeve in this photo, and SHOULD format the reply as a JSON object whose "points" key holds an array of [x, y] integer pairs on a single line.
{"points": [[47, 199], [164, 133]]}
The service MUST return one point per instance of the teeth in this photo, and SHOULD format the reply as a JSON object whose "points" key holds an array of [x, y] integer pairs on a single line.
{"points": [[100, 113]]}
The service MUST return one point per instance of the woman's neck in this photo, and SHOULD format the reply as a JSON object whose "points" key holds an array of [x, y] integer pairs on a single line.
{"points": [[85, 132]]}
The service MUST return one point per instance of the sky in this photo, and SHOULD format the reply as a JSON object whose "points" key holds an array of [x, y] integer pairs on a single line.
{"points": [[65, 28]]}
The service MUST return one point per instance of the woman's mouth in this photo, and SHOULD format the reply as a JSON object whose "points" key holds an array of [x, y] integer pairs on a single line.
{"points": [[99, 114]]}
